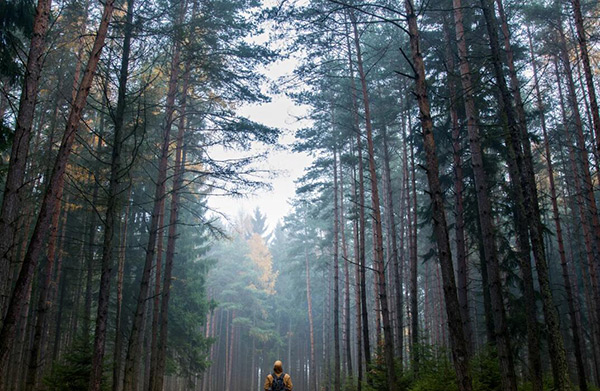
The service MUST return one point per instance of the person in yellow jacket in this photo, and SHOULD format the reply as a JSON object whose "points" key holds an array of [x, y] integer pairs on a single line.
{"points": [[278, 381]]}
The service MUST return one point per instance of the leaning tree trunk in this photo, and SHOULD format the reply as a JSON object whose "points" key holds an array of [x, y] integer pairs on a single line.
{"points": [[111, 219], [440, 228], [55, 183], [14, 186]]}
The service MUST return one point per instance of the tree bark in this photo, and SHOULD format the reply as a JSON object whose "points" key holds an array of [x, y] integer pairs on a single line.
{"points": [[59, 295], [51, 194], [313, 384], [392, 238], [361, 205], [585, 194], [593, 303], [461, 256], [378, 232], [357, 277], [555, 340], [347, 336], [111, 219], [587, 69], [485, 215], [156, 382], [336, 268], [132, 359], [156, 301], [117, 353], [36, 358], [13, 188], [440, 228], [413, 260], [556, 216]]}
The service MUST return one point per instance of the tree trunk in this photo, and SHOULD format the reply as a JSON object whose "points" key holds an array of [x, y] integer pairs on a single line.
{"points": [[392, 238], [555, 340], [230, 352], [413, 263], [486, 223], [36, 358], [156, 382], [156, 301], [361, 205], [13, 188], [347, 335], [59, 295], [407, 214], [51, 194], [133, 353], [117, 356], [312, 367], [461, 256], [524, 193], [585, 193], [440, 228], [559, 236], [593, 304], [111, 220], [336, 268], [357, 278], [378, 232], [587, 69]]}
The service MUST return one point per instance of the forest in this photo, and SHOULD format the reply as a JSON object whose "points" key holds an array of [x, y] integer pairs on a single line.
{"points": [[444, 237]]}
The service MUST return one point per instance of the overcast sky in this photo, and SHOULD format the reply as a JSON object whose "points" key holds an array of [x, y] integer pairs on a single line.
{"points": [[281, 113]]}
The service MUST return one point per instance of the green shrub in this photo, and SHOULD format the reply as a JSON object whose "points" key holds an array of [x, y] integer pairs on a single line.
{"points": [[485, 371], [436, 372], [72, 373]]}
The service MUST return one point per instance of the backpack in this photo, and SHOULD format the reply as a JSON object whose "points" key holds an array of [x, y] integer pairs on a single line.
{"points": [[277, 384]]}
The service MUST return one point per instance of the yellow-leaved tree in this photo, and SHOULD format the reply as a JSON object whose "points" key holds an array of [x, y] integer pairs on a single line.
{"points": [[262, 258]]}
